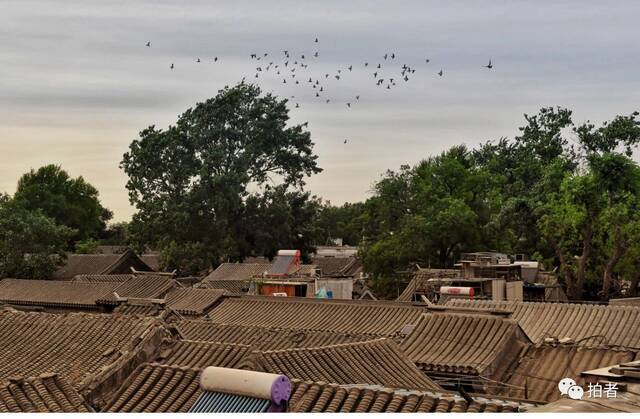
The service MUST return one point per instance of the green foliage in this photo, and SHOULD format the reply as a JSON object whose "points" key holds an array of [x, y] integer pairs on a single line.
{"points": [[70, 202], [116, 234], [279, 219], [88, 246], [191, 183], [226, 182], [344, 222], [428, 214], [31, 244], [191, 258], [567, 194]]}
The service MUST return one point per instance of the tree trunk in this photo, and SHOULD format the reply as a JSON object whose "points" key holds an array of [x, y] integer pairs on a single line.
{"points": [[583, 259], [633, 289], [565, 269], [619, 249], [443, 256]]}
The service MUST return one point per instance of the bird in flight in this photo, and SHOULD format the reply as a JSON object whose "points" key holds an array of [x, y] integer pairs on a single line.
{"points": [[148, 43], [427, 61], [440, 73], [489, 66]]}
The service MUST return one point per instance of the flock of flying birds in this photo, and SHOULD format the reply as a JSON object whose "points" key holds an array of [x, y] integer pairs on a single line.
{"points": [[297, 69]]}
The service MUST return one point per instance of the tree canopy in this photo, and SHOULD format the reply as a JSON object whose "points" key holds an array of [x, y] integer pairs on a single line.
{"points": [[69, 202], [227, 181], [566, 194], [210, 178], [31, 244]]}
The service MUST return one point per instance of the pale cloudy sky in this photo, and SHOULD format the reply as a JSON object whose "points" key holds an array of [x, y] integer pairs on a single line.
{"points": [[77, 83]]}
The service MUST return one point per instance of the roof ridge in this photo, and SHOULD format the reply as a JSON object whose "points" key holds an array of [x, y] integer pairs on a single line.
{"points": [[207, 342], [370, 342]]}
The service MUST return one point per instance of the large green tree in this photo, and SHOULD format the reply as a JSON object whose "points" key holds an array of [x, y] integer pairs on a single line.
{"points": [[563, 193], [592, 222], [190, 182], [32, 245], [429, 213], [71, 202]]}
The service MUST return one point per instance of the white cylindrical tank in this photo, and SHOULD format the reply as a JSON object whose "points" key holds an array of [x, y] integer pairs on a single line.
{"points": [[261, 385], [457, 291]]}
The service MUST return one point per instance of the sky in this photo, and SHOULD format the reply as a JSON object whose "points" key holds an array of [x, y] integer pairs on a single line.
{"points": [[77, 83]]}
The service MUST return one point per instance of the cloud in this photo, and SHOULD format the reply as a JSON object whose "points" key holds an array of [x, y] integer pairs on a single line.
{"points": [[77, 80]]}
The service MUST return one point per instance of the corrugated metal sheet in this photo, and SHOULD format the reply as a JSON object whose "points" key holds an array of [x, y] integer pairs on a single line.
{"points": [[595, 324], [464, 344], [363, 317], [214, 402]]}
